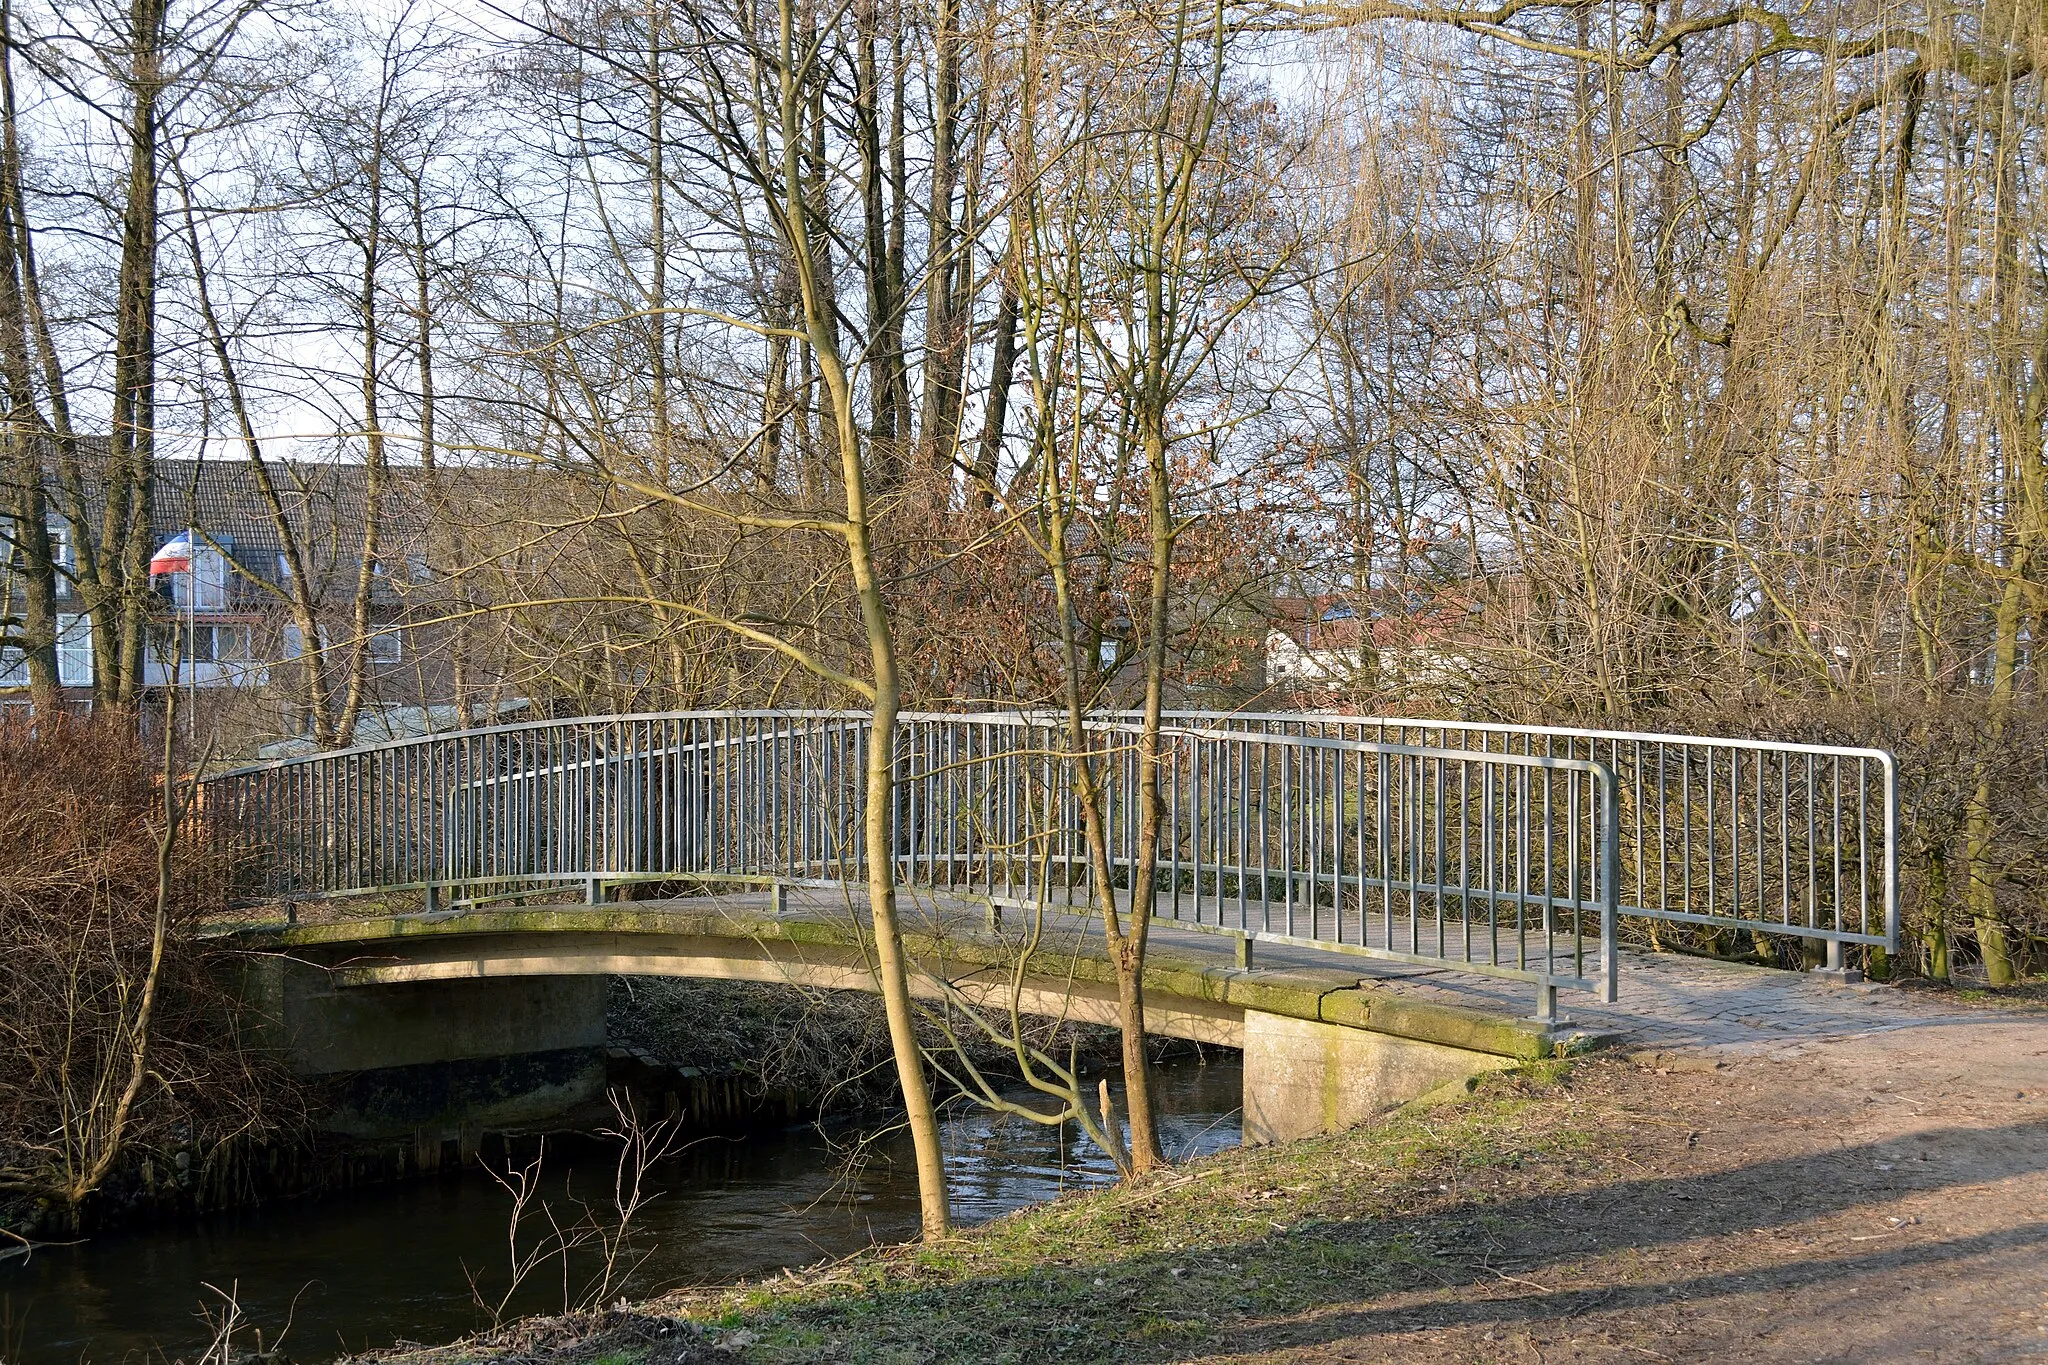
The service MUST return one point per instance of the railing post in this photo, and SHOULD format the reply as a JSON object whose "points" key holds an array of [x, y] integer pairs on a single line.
{"points": [[1610, 888], [1891, 854], [1835, 965]]}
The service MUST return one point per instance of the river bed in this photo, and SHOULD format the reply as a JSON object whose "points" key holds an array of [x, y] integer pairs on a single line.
{"points": [[411, 1262]]}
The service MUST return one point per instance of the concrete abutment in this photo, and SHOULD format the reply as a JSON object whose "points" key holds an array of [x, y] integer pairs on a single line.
{"points": [[448, 1058], [1303, 1077]]}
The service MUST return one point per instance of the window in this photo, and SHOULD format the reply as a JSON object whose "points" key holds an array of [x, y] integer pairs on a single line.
{"points": [[219, 645], [63, 556], [232, 645], [74, 655], [206, 587], [284, 567], [62, 552], [74, 650], [387, 645], [229, 646]]}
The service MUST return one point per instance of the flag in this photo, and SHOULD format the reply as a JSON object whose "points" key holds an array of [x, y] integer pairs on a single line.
{"points": [[174, 557]]}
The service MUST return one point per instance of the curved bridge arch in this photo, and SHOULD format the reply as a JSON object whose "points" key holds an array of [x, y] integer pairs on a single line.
{"points": [[1323, 1050]]}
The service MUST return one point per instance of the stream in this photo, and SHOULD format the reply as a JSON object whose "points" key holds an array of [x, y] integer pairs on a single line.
{"points": [[411, 1261]]}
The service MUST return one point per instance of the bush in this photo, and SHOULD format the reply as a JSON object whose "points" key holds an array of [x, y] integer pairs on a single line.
{"points": [[118, 1027]]}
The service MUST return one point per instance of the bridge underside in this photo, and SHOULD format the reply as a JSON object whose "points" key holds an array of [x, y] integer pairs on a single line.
{"points": [[1323, 1048]]}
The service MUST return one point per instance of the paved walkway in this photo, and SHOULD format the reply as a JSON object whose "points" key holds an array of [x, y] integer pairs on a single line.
{"points": [[1674, 1003], [1667, 1002]]}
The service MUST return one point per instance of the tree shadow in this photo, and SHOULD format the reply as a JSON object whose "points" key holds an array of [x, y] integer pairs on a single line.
{"points": [[1314, 1283]]}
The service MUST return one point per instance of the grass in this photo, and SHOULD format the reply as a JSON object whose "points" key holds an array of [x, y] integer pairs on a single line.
{"points": [[1161, 1266], [2028, 995], [1147, 1270]]}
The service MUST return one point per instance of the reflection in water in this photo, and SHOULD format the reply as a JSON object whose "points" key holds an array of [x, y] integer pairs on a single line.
{"points": [[380, 1265]]}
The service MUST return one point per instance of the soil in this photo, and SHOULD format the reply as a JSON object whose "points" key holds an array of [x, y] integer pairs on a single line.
{"points": [[1868, 1199]]}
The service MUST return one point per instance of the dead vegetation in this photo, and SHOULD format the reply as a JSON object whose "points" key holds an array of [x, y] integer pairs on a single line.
{"points": [[828, 1050], [119, 1035]]}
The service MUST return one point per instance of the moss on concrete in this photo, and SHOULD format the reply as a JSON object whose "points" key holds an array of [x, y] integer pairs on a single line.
{"points": [[1329, 995]]}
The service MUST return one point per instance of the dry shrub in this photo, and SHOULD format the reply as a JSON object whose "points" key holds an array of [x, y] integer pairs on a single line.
{"points": [[1946, 747], [81, 821]]}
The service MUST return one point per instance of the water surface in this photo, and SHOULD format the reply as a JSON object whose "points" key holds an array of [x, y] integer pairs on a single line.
{"points": [[410, 1261]]}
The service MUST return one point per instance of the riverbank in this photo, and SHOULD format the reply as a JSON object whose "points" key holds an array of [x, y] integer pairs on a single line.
{"points": [[1695, 1207], [1145, 1269]]}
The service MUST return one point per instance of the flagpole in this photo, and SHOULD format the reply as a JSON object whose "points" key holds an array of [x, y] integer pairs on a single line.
{"points": [[192, 635]]}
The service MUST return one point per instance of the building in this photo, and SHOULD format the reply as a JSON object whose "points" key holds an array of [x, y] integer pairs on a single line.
{"points": [[1407, 639], [225, 632]]}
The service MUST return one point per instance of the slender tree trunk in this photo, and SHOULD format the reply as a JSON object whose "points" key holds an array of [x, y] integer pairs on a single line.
{"points": [[891, 965], [299, 591], [1090, 791], [369, 320], [2017, 406], [31, 551], [69, 479], [939, 398], [1128, 947], [123, 607], [25, 453], [1002, 373]]}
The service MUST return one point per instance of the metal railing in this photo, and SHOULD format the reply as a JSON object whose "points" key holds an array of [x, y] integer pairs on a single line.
{"points": [[1492, 863], [1508, 851], [1759, 836]]}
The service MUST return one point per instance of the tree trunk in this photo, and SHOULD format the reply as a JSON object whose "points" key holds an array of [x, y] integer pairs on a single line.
{"points": [[123, 607], [812, 270]]}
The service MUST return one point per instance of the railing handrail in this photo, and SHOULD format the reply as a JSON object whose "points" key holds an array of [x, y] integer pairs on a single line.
{"points": [[1560, 731], [1049, 718], [1551, 762]]}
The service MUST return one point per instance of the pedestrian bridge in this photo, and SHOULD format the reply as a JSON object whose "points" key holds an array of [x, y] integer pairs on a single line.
{"points": [[1291, 846]]}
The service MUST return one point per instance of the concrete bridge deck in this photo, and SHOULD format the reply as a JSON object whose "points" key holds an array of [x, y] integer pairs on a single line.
{"points": [[1329, 1039]]}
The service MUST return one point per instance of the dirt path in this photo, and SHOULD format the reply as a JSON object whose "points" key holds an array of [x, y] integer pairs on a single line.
{"points": [[1854, 1199]]}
